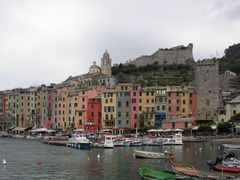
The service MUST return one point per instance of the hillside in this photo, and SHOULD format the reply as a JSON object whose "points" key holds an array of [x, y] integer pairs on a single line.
{"points": [[155, 74], [175, 74], [231, 61]]}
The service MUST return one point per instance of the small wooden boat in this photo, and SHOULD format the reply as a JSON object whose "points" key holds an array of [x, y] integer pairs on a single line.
{"points": [[194, 173], [147, 154], [150, 174]]}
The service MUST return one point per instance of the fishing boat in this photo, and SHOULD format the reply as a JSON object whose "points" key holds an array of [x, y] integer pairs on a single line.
{"points": [[150, 174], [78, 141], [225, 164], [147, 154], [107, 142], [166, 136]]}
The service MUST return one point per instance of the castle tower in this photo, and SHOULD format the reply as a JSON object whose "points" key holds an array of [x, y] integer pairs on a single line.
{"points": [[207, 88], [106, 67]]}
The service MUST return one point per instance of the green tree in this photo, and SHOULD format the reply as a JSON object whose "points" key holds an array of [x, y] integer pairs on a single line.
{"points": [[205, 128], [224, 127], [236, 118]]}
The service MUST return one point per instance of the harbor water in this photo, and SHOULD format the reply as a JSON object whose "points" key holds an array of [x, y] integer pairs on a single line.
{"points": [[31, 159]]}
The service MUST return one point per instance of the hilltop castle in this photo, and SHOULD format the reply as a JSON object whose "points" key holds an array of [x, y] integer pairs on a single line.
{"points": [[176, 55]]}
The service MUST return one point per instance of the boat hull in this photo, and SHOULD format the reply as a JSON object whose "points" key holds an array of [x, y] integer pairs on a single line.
{"points": [[85, 146], [147, 154]]}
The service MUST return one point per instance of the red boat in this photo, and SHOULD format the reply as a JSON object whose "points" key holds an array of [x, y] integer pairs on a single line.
{"points": [[233, 169]]}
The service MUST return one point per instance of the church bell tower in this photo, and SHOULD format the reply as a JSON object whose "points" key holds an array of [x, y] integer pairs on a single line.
{"points": [[106, 62]]}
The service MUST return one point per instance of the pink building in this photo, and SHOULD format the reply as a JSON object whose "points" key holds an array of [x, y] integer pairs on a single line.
{"points": [[134, 105]]}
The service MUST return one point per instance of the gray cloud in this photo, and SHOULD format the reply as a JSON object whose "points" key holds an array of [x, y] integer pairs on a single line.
{"points": [[46, 41]]}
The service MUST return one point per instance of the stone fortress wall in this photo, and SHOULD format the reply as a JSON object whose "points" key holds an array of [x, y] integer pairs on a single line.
{"points": [[207, 88], [175, 55]]}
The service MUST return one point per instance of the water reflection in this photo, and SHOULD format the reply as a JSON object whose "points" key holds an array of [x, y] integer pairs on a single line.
{"points": [[34, 160]]}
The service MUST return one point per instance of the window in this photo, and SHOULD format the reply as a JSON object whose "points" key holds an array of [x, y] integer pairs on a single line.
{"points": [[177, 109], [134, 93], [119, 103], [83, 99], [207, 102], [127, 103], [163, 107], [160, 99], [190, 101], [80, 122], [169, 101], [106, 100], [127, 121], [152, 100], [135, 116], [147, 100], [140, 108], [169, 109], [80, 113], [127, 114], [158, 108], [178, 101], [134, 108], [234, 112], [183, 110], [140, 100], [119, 121], [177, 94], [110, 99], [184, 101], [119, 114]]}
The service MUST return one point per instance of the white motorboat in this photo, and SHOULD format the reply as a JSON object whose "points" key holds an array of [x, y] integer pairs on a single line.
{"points": [[107, 142], [79, 141], [147, 154]]}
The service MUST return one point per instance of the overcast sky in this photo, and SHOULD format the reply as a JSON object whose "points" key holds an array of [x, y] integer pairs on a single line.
{"points": [[44, 41]]}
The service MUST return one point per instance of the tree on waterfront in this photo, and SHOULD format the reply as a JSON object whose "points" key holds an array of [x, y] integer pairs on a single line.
{"points": [[205, 128], [144, 119], [236, 118], [224, 127]]}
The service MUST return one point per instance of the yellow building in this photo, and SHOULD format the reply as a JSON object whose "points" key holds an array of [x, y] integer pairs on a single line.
{"points": [[232, 108], [108, 108], [147, 105]]}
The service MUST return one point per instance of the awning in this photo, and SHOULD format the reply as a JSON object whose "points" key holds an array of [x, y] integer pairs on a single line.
{"points": [[152, 130], [195, 127], [79, 130], [10, 128], [214, 127], [160, 113], [39, 130], [19, 128]]}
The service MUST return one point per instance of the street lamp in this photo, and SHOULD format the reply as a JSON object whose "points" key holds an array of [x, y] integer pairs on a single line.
{"points": [[231, 123], [190, 127]]}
